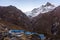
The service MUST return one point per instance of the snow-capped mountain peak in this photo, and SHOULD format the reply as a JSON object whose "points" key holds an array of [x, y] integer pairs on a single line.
{"points": [[48, 4], [42, 9]]}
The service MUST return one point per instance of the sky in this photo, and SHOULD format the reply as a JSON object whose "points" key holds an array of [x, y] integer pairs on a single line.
{"points": [[27, 5]]}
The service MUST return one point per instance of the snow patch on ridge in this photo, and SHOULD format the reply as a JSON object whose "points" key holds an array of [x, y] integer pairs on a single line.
{"points": [[42, 9]]}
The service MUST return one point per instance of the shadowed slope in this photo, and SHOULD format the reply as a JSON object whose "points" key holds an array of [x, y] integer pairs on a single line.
{"points": [[14, 16]]}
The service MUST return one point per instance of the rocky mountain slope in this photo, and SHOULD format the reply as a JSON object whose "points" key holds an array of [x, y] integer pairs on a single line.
{"points": [[48, 23], [14, 16]]}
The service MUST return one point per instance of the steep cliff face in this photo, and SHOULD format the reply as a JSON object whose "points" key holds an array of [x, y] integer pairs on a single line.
{"points": [[14, 16]]}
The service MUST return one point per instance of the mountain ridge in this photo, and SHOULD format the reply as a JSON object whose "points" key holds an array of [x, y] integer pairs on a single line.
{"points": [[14, 16], [42, 9]]}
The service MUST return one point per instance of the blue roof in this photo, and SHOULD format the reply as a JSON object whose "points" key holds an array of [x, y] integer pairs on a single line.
{"points": [[42, 36], [28, 33], [34, 33], [16, 31]]}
